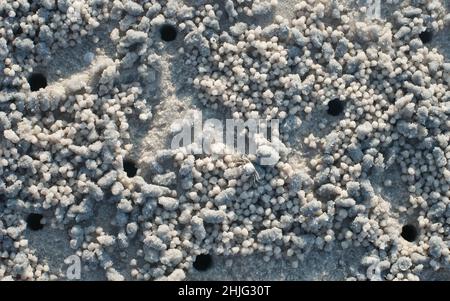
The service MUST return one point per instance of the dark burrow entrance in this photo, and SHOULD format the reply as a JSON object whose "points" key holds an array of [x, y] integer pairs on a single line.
{"points": [[168, 33], [34, 221], [335, 107], [37, 81], [409, 233], [426, 36], [203, 262], [130, 168]]}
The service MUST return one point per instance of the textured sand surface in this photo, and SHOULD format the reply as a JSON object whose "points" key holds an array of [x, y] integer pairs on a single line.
{"points": [[169, 96]]}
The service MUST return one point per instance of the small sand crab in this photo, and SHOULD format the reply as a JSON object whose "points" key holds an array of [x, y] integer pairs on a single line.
{"points": [[248, 169]]}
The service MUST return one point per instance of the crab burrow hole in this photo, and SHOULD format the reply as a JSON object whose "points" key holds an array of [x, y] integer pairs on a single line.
{"points": [[130, 168], [426, 36], [37, 81], [335, 107], [409, 232], [168, 32], [203, 262], [34, 221]]}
